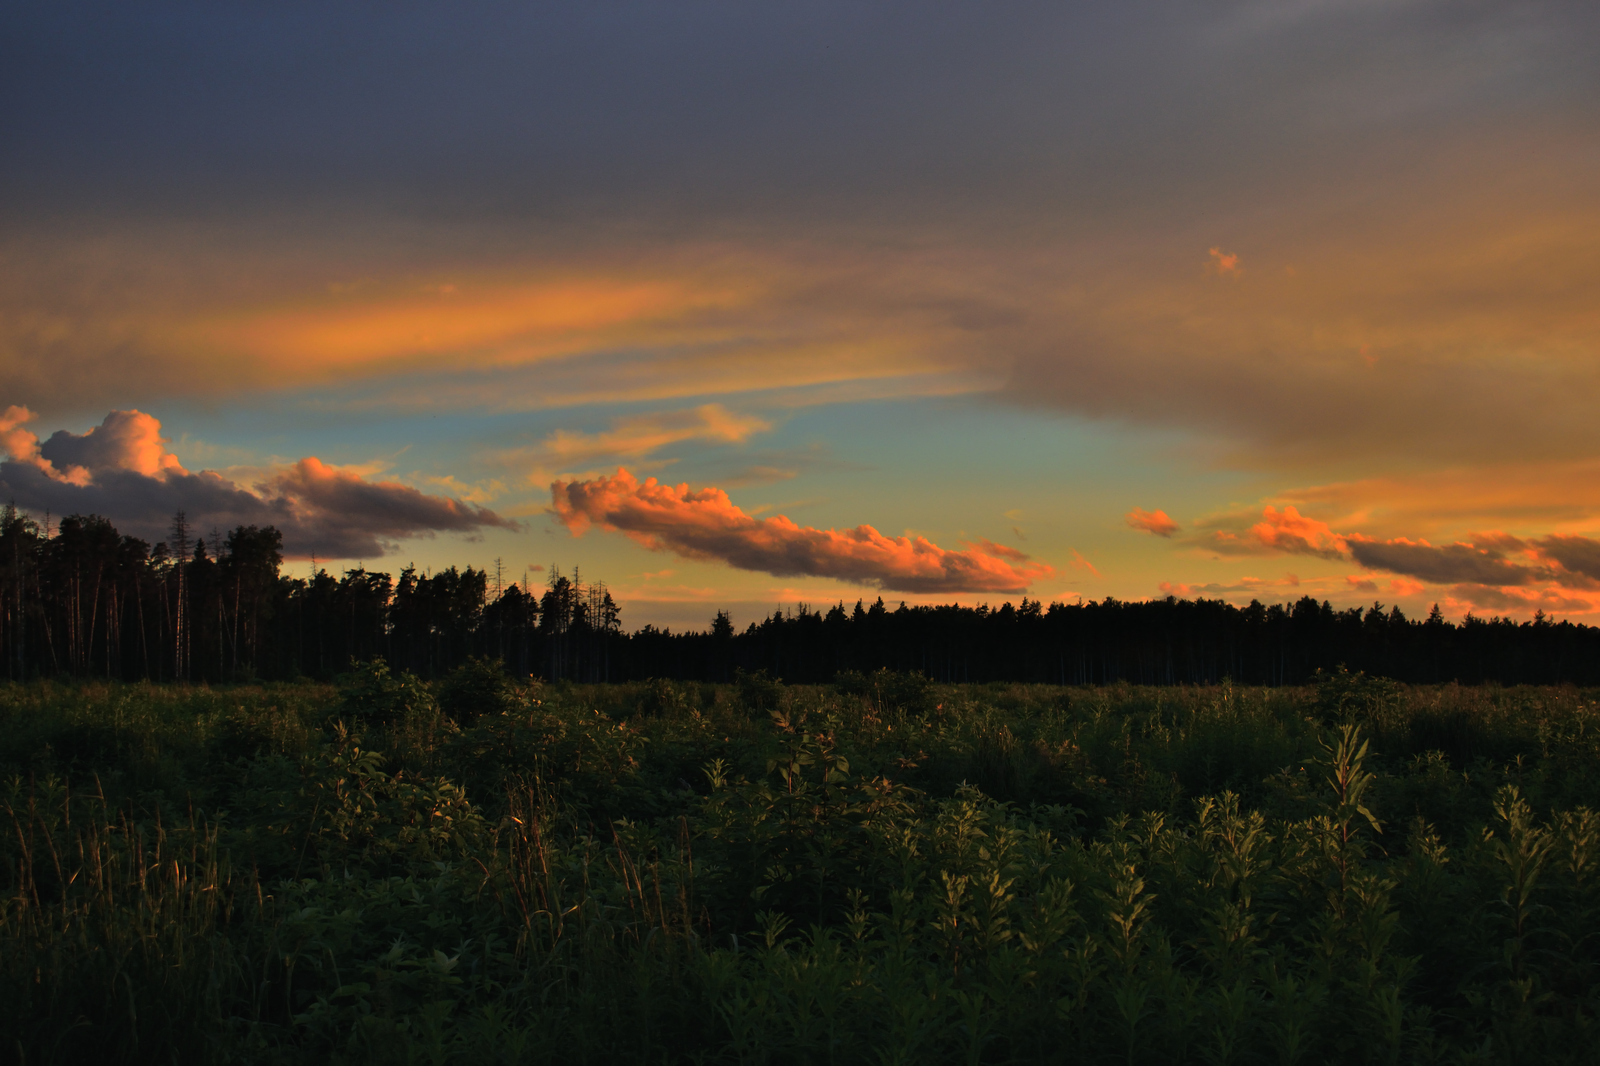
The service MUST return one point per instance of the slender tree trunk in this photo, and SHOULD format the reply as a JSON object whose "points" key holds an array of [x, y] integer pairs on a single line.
{"points": [[144, 645]]}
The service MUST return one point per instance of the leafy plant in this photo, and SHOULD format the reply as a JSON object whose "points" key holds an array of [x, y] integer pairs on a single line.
{"points": [[297, 874], [476, 688]]}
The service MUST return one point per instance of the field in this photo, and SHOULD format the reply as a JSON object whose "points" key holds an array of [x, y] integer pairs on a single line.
{"points": [[880, 870]]}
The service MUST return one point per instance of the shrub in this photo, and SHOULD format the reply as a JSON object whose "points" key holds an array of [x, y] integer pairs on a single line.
{"points": [[759, 691], [369, 693], [1345, 697], [664, 698], [477, 688], [889, 690]]}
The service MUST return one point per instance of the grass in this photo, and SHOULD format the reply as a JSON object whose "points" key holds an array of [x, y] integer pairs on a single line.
{"points": [[880, 871]]}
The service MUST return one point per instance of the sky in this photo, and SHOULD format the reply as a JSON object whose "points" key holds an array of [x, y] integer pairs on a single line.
{"points": [[740, 306]]}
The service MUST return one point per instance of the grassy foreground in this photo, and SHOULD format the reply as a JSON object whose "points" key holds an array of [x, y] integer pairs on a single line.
{"points": [[877, 871]]}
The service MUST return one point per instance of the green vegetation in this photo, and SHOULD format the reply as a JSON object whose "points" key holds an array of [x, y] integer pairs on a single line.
{"points": [[878, 871]]}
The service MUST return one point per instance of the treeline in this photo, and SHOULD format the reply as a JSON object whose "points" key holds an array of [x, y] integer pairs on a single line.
{"points": [[1160, 642], [82, 600]]}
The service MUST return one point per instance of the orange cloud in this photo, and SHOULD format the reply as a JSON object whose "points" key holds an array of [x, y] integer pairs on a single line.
{"points": [[1226, 263], [1571, 561], [1270, 372], [1155, 522], [1466, 598], [1568, 560], [1244, 585], [1285, 531], [21, 445], [1103, 327], [553, 327], [640, 435], [999, 551], [495, 323], [125, 440], [1216, 588], [1558, 573], [472, 492], [1440, 502], [120, 469], [705, 525], [348, 507], [1398, 586], [1289, 531]]}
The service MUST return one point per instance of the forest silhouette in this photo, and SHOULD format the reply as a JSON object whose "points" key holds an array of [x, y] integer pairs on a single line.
{"points": [[77, 598]]}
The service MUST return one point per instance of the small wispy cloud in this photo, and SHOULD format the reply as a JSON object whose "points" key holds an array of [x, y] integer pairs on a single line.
{"points": [[1217, 588], [759, 474], [1155, 522], [636, 437], [1224, 263], [470, 491]]}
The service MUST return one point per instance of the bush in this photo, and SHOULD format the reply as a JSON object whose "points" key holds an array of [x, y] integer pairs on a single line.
{"points": [[1345, 697], [663, 698], [758, 691], [909, 693], [369, 693], [477, 688]]}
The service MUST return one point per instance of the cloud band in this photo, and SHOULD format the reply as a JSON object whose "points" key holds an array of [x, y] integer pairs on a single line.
{"points": [[704, 524]]}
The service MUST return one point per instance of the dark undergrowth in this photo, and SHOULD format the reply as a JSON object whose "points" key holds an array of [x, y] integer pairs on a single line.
{"points": [[876, 871]]}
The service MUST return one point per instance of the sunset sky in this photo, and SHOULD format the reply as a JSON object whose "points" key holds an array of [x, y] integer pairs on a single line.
{"points": [[938, 302]]}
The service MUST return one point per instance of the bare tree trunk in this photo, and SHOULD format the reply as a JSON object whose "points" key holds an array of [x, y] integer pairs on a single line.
{"points": [[144, 644]]}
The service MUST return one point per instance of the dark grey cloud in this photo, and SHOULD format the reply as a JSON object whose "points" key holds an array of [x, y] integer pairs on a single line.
{"points": [[1443, 564], [1490, 559], [358, 520], [498, 106], [117, 471], [1577, 555], [1568, 560], [1498, 599]]}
